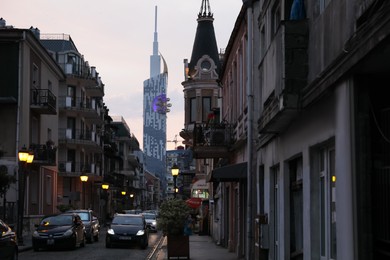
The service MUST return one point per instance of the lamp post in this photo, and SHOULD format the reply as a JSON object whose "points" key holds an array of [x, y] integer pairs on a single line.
{"points": [[25, 157], [105, 187], [84, 179], [131, 200], [175, 173]]}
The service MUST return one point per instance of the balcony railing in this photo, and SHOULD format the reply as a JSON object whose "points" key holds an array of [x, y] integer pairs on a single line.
{"points": [[43, 101], [212, 140], [282, 104], [75, 168], [44, 154], [90, 107], [69, 136]]}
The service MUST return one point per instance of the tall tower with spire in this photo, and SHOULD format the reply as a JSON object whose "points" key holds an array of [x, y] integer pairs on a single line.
{"points": [[155, 118]]}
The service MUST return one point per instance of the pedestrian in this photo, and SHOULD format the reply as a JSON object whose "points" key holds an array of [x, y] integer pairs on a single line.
{"points": [[188, 226]]}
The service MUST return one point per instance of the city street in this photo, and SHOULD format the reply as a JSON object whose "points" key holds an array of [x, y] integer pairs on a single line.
{"points": [[96, 251]]}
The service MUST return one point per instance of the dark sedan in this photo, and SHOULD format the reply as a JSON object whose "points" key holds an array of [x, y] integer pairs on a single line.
{"points": [[127, 229], [59, 231], [8, 243], [91, 223]]}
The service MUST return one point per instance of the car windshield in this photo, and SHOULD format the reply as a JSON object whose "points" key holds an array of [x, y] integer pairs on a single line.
{"points": [[84, 216], [126, 220], [150, 216], [57, 220]]}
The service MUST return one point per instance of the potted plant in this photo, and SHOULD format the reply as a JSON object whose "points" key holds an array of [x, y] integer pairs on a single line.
{"points": [[172, 218]]}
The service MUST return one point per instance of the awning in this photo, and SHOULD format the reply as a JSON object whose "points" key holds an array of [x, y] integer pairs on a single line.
{"points": [[230, 173], [194, 202], [200, 185]]}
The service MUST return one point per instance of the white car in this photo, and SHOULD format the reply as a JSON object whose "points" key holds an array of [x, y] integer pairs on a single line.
{"points": [[151, 221]]}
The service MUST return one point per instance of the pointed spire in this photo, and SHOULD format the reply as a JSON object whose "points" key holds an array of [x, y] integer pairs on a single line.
{"points": [[205, 42], [155, 62], [205, 10]]}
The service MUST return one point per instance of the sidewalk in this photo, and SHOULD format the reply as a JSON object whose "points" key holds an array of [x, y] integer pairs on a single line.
{"points": [[27, 243], [201, 248]]}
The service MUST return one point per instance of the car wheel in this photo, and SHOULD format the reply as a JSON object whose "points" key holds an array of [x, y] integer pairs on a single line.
{"points": [[82, 244], [144, 243], [15, 255], [89, 238], [96, 237], [74, 242]]}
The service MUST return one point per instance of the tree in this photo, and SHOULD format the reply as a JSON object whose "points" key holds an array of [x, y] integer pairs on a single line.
{"points": [[5, 180]]}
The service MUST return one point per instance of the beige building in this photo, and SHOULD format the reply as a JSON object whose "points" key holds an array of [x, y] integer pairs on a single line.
{"points": [[29, 88]]}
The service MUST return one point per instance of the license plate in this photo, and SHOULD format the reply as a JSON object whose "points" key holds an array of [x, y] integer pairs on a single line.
{"points": [[125, 238], [50, 241]]}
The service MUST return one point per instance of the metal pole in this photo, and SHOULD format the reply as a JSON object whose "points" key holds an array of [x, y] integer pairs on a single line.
{"points": [[83, 194], [22, 178], [174, 187]]}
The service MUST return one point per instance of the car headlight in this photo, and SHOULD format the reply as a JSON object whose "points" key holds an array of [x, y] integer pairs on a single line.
{"points": [[154, 223], [35, 234], [140, 232], [110, 231], [69, 232]]}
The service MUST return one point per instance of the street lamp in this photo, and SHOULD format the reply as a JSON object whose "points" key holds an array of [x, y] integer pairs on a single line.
{"points": [[175, 173], [84, 179], [105, 187], [25, 157]]}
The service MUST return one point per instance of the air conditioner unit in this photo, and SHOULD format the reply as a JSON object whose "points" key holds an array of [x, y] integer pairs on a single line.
{"points": [[218, 137]]}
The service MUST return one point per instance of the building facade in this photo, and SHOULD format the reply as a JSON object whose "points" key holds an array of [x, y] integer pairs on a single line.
{"points": [[29, 89], [304, 79], [154, 115], [80, 125]]}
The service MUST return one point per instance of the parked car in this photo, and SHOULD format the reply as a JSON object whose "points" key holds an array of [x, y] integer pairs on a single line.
{"points": [[132, 211], [59, 231], [8, 242], [151, 221], [126, 229], [91, 223]]}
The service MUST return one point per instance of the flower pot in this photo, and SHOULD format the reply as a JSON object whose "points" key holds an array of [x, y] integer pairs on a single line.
{"points": [[178, 246]]}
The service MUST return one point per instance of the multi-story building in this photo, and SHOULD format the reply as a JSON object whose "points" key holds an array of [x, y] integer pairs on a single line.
{"points": [[305, 81], [29, 90], [155, 118], [127, 183], [205, 133], [181, 158], [80, 124]]}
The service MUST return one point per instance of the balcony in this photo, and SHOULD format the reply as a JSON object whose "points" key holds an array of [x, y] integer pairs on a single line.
{"points": [[76, 168], [212, 141], [89, 108], [90, 139], [43, 101], [290, 66], [44, 154]]}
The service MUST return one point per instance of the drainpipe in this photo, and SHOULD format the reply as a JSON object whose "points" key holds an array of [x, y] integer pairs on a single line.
{"points": [[249, 242]]}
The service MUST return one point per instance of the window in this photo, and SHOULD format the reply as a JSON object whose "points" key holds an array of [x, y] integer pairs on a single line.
{"points": [[327, 194], [193, 108], [49, 85], [49, 190], [262, 42], [275, 18], [320, 6], [296, 208], [35, 76], [275, 212], [206, 108]]}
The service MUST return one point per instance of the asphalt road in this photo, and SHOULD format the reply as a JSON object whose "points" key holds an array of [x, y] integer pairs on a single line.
{"points": [[96, 251]]}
